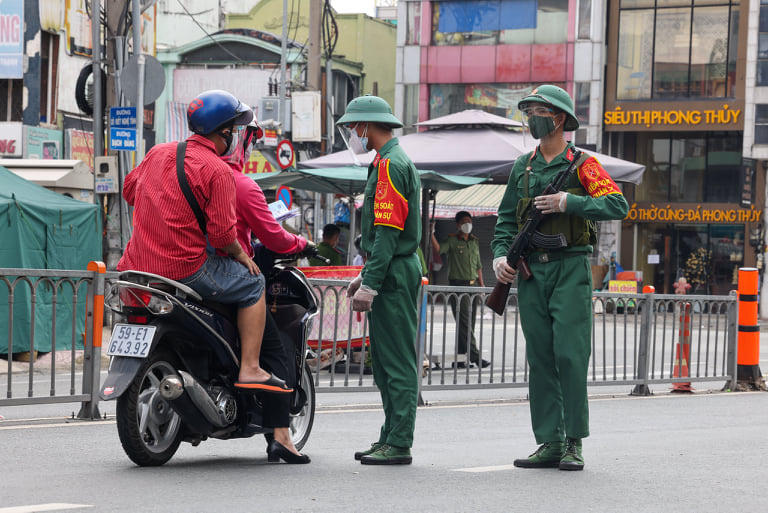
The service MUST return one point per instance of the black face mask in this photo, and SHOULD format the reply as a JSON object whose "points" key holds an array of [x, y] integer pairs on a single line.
{"points": [[227, 139]]}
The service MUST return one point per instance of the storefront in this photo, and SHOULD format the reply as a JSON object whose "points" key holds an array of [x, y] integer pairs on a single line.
{"points": [[674, 101]]}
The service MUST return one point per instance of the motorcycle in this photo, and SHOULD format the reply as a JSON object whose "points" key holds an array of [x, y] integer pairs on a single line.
{"points": [[175, 360]]}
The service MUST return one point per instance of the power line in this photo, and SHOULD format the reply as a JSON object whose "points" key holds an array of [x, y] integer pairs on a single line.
{"points": [[207, 34]]}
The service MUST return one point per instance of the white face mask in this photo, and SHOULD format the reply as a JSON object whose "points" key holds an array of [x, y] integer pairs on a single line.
{"points": [[466, 228], [358, 145]]}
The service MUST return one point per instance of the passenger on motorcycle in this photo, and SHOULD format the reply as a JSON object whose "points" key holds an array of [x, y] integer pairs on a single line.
{"points": [[168, 239], [255, 218]]}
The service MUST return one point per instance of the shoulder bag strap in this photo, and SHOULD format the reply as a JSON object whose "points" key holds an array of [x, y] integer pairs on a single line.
{"points": [[185, 188]]}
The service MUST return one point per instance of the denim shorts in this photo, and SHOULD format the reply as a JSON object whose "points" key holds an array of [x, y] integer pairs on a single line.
{"points": [[225, 280]]}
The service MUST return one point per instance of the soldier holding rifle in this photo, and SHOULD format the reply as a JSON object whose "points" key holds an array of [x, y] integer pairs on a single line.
{"points": [[555, 298]]}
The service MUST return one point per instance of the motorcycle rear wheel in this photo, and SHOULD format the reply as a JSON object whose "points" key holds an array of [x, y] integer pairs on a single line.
{"points": [[301, 423], [150, 431]]}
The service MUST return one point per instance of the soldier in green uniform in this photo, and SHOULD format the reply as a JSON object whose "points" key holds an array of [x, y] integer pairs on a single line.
{"points": [[327, 247], [555, 305], [464, 270], [388, 285]]}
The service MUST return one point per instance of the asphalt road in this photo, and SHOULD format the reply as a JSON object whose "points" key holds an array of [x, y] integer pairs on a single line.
{"points": [[699, 453]]}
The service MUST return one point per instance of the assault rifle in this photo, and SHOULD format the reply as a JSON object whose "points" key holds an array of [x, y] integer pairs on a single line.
{"points": [[529, 237]]}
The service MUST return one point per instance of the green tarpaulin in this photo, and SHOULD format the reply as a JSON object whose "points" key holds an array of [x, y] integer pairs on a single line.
{"points": [[41, 229]]}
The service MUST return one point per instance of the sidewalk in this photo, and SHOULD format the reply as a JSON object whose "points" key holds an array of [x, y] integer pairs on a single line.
{"points": [[44, 361]]}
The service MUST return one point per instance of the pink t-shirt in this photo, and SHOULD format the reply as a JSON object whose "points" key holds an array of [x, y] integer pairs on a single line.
{"points": [[254, 216]]}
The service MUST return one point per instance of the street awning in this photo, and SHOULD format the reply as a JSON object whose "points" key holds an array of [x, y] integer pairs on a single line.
{"points": [[479, 200], [73, 174]]}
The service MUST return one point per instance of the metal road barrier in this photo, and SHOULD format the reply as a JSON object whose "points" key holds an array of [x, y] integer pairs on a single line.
{"points": [[45, 309], [637, 339]]}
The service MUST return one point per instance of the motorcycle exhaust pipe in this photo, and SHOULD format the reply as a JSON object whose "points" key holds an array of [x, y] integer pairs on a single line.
{"points": [[172, 390], [202, 400]]}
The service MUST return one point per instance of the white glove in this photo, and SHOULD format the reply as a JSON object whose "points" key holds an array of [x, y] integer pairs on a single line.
{"points": [[504, 273], [363, 299], [354, 285], [552, 203]]}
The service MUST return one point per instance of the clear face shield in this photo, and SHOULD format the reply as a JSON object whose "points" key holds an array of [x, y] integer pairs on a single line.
{"points": [[244, 137], [234, 143], [358, 145], [538, 120]]}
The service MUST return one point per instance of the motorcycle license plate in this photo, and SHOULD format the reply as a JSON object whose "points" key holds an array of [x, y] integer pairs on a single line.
{"points": [[130, 340]]}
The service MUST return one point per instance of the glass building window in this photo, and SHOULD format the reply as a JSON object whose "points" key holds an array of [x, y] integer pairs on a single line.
{"points": [[762, 48], [677, 49], [49, 64], [11, 100], [491, 22], [581, 100], [690, 168], [410, 108], [707, 255], [761, 124], [498, 98], [585, 18], [413, 23]]}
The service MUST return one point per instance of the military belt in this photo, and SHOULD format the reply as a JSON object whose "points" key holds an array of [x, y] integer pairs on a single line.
{"points": [[543, 257]]}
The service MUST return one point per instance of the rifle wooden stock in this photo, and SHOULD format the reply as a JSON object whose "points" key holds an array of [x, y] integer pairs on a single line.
{"points": [[497, 301]]}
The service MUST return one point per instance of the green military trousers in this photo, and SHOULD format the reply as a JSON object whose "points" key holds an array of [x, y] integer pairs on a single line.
{"points": [[556, 316], [393, 323]]}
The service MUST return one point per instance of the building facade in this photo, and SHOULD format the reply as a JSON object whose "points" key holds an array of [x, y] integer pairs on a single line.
{"points": [[457, 55], [363, 59], [675, 101]]}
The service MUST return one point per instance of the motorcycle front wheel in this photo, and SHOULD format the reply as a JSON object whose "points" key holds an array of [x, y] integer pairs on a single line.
{"points": [[301, 422], [149, 429]]}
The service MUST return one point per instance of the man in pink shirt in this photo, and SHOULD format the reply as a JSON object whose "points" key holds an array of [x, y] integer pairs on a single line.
{"points": [[170, 240]]}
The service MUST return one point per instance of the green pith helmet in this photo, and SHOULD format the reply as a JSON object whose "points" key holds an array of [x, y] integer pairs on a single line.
{"points": [[556, 97], [370, 109]]}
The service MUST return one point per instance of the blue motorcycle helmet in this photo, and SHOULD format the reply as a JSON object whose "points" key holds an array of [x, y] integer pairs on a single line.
{"points": [[215, 109]]}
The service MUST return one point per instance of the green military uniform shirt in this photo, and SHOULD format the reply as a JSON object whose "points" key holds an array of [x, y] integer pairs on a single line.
{"points": [[602, 199], [390, 224], [327, 251], [463, 257]]}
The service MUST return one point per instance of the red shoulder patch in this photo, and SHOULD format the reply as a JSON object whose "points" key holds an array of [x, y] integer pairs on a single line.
{"points": [[596, 180], [390, 208]]}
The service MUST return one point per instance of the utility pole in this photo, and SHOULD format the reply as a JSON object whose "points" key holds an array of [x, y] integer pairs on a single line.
{"points": [[112, 246], [98, 101], [314, 64], [136, 17], [283, 63]]}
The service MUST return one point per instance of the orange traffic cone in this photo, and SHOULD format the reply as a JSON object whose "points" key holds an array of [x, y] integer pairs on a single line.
{"points": [[683, 351]]}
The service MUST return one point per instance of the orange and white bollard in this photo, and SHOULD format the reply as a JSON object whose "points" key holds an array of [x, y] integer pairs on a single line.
{"points": [[748, 370], [683, 351]]}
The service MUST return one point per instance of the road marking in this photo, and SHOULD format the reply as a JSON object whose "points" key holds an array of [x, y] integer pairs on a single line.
{"points": [[53, 506], [495, 468], [65, 424]]}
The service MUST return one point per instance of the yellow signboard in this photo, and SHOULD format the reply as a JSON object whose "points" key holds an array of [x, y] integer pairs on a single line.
{"points": [[622, 286], [257, 164], [672, 117], [692, 213]]}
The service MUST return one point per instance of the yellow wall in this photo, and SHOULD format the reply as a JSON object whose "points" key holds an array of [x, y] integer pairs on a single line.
{"points": [[362, 40]]}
